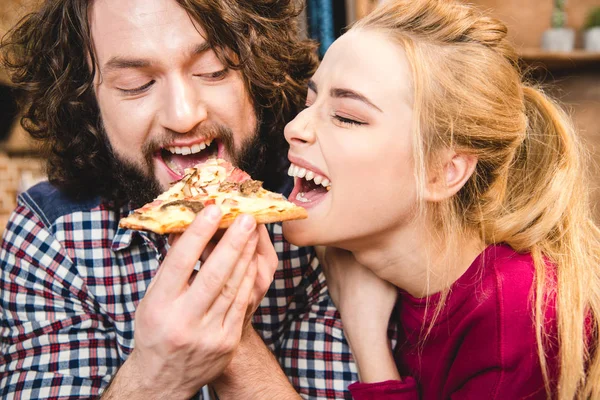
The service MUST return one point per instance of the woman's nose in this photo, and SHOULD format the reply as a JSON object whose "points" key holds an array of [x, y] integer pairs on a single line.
{"points": [[300, 130]]}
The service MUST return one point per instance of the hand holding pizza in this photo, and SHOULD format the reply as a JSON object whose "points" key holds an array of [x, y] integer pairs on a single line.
{"points": [[265, 259], [188, 329]]}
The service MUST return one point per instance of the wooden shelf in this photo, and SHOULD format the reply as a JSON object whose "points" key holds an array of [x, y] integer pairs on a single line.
{"points": [[576, 59]]}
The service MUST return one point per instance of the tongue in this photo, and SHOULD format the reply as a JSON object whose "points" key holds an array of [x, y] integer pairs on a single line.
{"points": [[178, 163]]}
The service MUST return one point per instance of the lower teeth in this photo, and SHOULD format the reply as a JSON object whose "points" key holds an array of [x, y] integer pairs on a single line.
{"points": [[300, 197], [174, 167]]}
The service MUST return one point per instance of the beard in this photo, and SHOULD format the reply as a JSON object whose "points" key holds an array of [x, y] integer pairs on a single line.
{"points": [[137, 184]]}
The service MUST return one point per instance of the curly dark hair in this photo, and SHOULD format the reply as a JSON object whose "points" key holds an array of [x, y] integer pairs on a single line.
{"points": [[47, 55]]}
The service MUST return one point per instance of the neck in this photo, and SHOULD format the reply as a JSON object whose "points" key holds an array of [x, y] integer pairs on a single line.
{"points": [[417, 260]]}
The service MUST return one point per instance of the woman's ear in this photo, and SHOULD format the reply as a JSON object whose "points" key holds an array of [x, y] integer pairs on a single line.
{"points": [[446, 181]]}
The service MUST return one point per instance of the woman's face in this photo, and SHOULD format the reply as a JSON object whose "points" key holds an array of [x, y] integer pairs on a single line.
{"points": [[351, 148]]}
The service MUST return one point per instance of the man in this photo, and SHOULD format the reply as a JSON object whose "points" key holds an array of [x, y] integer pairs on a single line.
{"points": [[125, 94]]}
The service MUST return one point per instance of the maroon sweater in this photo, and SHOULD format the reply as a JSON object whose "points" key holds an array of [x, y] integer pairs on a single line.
{"points": [[482, 345]]}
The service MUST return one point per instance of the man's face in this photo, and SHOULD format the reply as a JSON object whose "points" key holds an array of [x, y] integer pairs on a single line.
{"points": [[165, 99]]}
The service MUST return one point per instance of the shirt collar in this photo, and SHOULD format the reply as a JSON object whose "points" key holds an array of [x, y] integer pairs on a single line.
{"points": [[124, 237]]}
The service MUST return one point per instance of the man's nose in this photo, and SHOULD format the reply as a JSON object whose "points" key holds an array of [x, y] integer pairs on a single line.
{"points": [[301, 130], [183, 107]]}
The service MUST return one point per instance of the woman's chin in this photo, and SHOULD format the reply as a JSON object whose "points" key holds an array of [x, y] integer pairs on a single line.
{"points": [[298, 233]]}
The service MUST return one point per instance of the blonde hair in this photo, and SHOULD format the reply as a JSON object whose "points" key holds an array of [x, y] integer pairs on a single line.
{"points": [[528, 189]]}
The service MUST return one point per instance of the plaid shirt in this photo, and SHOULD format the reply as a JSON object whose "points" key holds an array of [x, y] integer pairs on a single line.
{"points": [[71, 280]]}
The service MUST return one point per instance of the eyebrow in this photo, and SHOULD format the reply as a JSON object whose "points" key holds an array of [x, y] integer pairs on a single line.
{"points": [[117, 62], [345, 93]]}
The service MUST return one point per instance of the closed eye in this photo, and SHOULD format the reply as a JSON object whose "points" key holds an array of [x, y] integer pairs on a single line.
{"points": [[348, 121], [214, 76], [137, 90]]}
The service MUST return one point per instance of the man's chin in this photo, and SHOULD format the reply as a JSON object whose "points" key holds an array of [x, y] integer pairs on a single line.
{"points": [[142, 191], [137, 186]]}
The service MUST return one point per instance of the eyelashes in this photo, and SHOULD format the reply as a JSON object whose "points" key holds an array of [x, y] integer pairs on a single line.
{"points": [[341, 120], [218, 75], [347, 121], [138, 90], [210, 77], [344, 121]]}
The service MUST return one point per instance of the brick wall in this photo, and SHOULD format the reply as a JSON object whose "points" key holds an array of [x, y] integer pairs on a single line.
{"points": [[16, 174]]}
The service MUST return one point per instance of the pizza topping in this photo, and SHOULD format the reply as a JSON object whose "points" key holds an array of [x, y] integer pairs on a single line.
{"points": [[151, 205], [142, 217], [187, 191], [229, 187], [249, 187], [238, 176], [231, 203], [194, 206]]}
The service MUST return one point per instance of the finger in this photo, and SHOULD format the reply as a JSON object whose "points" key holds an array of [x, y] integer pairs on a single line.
{"points": [[237, 313], [228, 294], [173, 238], [268, 261], [175, 271], [265, 246], [258, 291], [210, 246], [218, 267]]}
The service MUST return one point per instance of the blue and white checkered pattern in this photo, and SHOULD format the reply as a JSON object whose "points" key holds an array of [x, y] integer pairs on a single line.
{"points": [[70, 283]]}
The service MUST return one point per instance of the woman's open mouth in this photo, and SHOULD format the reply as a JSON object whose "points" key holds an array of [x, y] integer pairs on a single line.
{"points": [[310, 188]]}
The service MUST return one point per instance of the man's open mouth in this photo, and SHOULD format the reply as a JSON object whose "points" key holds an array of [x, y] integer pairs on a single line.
{"points": [[178, 158]]}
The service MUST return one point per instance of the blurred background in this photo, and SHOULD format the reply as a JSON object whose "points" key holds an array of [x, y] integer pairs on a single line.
{"points": [[558, 39]]}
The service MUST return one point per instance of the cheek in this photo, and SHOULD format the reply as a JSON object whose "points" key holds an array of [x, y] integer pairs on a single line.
{"points": [[126, 123], [231, 105], [376, 184]]}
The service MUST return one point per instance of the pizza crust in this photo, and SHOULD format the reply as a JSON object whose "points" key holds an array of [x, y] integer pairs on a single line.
{"points": [[268, 216], [179, 226]]}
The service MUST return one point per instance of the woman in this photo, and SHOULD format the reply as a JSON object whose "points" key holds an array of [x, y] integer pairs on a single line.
{"points": [[451, 194]]}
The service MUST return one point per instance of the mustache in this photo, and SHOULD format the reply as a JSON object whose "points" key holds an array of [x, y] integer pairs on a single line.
{"points": [[205, 132]]}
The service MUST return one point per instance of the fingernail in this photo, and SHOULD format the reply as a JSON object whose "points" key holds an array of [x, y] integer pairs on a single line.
{"points": [[248, 222], [212, 213]]}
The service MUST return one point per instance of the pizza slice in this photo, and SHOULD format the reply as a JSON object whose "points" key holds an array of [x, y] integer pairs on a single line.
{"points": [[218, 182]]}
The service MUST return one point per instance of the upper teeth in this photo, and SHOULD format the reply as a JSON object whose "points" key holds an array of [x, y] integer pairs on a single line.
{"points": [[185, 150], [308, 175]]}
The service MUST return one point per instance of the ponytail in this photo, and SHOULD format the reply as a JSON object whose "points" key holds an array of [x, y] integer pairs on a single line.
{"points": [[548, 214], [542, 178]]}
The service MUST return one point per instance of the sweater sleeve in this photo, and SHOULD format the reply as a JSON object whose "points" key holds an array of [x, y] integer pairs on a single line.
{"points": [[386, 390]]}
